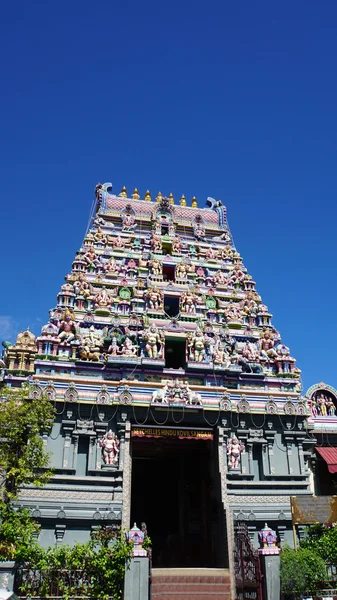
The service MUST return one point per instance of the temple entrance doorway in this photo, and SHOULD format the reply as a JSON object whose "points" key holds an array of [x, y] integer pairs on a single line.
{"points": [[176, 492]]}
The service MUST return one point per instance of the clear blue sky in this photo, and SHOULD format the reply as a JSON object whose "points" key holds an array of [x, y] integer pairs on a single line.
{"points": [[235, 100]]}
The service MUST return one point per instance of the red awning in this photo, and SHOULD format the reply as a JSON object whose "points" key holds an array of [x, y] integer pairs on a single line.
{"points": [[330, 456]]}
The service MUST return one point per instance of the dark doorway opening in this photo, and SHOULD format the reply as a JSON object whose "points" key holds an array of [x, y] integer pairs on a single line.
{"points": [[176, 492], [168, 275], [175, 354], [171, 306]]}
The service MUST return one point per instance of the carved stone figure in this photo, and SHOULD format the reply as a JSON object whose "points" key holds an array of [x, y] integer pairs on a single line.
{"points": [[181, 270], [188, 302], [118, 242], [250, 352], [103, 299], [176, 244], [234, 450], [67, 327], [90, 258], [111, 266], [110, 448], [128, 221], [196, 346], [156, 267], [155, 299], [153, 342], [128, 348], [156, 242], [91, 342], [82, 287], [100, 237]]}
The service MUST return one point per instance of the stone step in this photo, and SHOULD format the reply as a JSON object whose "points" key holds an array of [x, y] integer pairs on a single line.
{"points": [[190, 584]]}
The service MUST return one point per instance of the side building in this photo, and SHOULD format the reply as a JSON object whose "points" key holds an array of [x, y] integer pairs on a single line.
{"points": [[177, 402]]}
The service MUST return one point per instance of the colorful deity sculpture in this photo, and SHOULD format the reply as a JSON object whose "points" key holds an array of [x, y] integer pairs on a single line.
{"points": [[67, 327], [111, 266], [90, 258], [154, 299], [128, 220], [196, 346], [181, 270], [156, 267], [110, 448], [103, 299], [128, 348], [188, 302], [176, 244], [154, 342], [234, 450], [91, 341], [156, 242]]}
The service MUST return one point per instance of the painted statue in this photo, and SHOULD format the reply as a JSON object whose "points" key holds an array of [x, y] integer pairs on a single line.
{"points": [[153, 342], [128, 348], [156, 267], [156, 242], [67, 327], [91, 342], [110, 448], [234, 450], [188, 302], [154, 299], [196, 346]]}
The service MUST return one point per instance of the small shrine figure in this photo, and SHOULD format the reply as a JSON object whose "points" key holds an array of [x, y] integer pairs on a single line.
{"points": [[154, 342], [128, 221], [155, 299], [67, 328], [267, 537], [110, 448], [314, 411], [176, 244], [250, 352], [100, 237], [91, 342], [219, 278], [198, 228], [136, 536], [90, 258], [321, 402], [128, 349], [82, 287], [330, 407], [181, 270], [220, 355], [188, 302], [234, 450], [211, 253], [156, 242], [156, 267], [113, 348], [118, 242], [111, 266], [103, 299], [196, 345]]}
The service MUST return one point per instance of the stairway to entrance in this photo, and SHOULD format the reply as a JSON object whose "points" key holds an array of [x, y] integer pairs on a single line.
{"points": [[190, 584]]}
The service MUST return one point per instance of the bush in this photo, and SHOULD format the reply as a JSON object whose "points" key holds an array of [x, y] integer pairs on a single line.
{"points": [[302, 571]]}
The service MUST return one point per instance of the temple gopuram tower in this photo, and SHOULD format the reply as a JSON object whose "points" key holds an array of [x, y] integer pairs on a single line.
{"points": [[177, 402]]}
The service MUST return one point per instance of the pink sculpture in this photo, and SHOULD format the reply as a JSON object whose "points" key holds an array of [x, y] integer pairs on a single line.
{"points": [[234, 450], [110, 448]]}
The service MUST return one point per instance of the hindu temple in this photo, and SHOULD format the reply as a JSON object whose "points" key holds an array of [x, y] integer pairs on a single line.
{"points": [[178, 403]]}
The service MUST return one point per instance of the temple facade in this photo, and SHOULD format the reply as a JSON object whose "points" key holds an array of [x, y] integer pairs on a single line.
{"points": [[178, 404]]}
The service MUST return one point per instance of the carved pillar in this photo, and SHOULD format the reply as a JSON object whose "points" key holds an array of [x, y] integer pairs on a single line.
{"points": [[92, 453], [75, 438], [269, 435], [250, 458], [66, 447], [301, 456], [121, 446], [288, 441], [127, 469]]}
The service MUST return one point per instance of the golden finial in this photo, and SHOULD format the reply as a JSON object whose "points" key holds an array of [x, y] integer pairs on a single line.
{"points": [[135, 195], [182, 200], [147, 196], [194, 202], [171, 198], [123, 193], [159, 197]]}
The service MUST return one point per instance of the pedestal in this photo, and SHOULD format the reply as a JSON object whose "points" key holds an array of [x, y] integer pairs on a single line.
{"points": [[270, 567], [7, 574], [136, 583]]}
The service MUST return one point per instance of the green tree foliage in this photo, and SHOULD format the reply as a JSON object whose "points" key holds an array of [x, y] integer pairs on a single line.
{"points": [[95, 569], [23, 458], [302, 571], [322, 540], [17, 529]]}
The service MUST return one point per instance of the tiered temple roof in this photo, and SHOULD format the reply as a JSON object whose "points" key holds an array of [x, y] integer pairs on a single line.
{"points": [[159, 309]]}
